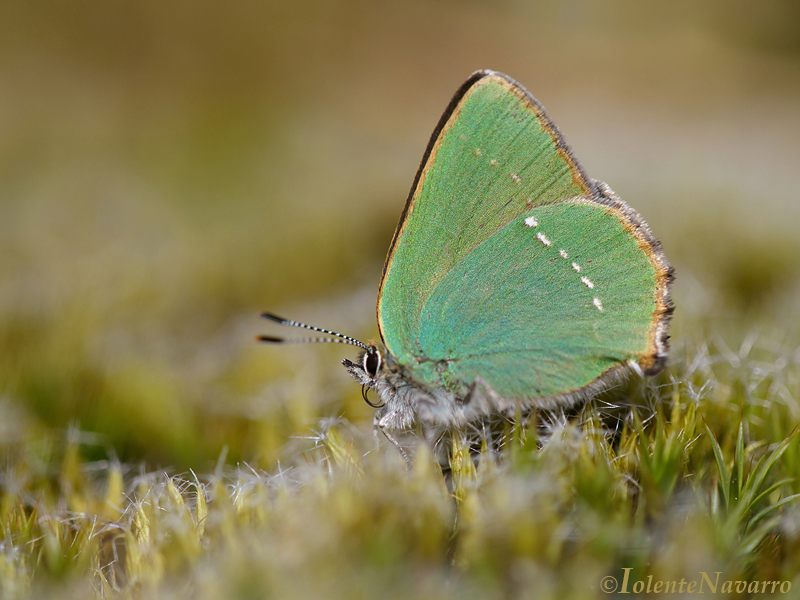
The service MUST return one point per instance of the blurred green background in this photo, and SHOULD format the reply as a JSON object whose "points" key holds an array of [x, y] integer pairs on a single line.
{"points": [[168, 170]]}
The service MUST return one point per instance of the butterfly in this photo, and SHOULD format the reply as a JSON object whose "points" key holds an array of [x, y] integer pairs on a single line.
{"points": [[513, 281]]}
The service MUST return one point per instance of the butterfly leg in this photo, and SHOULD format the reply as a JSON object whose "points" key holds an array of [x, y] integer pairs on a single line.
{"points": [[481, 400], [487, 420], [378, 426]]}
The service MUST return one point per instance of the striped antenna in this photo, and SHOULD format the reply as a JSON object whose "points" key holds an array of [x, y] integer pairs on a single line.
{"points": [[345, 339]]}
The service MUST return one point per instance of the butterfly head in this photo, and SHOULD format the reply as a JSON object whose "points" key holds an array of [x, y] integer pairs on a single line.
{"points": [[369, 368]]}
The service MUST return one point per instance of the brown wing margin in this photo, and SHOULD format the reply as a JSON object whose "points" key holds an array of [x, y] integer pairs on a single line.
{"points": [[579, 175], [665, 274]]}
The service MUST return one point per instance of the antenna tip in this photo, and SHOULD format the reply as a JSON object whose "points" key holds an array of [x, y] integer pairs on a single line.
{"points": [[271, 317], [269, 339]]}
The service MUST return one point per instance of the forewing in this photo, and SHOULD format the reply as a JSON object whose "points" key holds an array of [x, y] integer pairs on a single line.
{"points": [[493, 156]]}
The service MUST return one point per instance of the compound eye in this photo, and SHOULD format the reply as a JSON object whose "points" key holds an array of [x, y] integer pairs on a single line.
{"points": [[372, 362]]}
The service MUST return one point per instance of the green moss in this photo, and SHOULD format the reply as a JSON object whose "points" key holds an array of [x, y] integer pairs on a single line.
{"points": [[694, 483]]}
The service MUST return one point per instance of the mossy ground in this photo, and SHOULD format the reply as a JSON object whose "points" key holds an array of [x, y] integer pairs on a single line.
{"points": [[695, 471]]}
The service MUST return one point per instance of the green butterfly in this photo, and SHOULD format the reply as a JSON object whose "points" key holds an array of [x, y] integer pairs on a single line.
{"points": [[513, 281]]}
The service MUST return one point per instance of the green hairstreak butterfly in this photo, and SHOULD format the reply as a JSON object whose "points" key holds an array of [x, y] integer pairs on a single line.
{"points": [[513, 281]]}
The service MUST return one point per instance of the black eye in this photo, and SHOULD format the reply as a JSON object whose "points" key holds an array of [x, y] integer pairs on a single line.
{"points": [[372, 362]]}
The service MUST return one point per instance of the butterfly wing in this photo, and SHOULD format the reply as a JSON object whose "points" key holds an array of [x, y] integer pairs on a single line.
{"points": [[510, 265]]}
